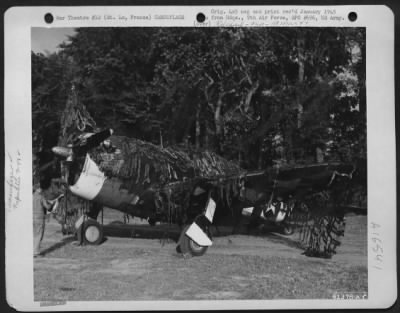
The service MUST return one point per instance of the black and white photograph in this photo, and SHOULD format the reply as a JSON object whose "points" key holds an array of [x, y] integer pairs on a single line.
{"points": [[199, 163], [207, 164]]}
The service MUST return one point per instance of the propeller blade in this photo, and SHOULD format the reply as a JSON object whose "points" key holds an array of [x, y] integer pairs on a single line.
{"points": [[83, 146], [92, 142], [62, 151]]}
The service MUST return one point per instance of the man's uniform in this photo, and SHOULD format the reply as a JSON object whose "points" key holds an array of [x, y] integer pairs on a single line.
{"points": [[41, 204], [39, 215]]}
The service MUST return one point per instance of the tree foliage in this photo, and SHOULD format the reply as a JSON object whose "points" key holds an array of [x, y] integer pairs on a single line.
{"points": [[253, 95]]}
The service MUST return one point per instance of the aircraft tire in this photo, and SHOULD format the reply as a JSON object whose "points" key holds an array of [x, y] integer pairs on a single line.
{"points": [[152, 221], [92, 232], [188, 247], [287, 230]]}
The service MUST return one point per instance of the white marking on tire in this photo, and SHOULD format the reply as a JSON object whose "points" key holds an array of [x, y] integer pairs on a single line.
{"points": [[195, 233]]}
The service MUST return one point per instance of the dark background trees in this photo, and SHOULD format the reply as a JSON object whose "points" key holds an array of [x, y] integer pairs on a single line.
{"points": [[251, 94]]}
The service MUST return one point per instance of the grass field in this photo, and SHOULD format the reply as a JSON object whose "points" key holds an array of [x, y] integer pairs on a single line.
{"points": [[235, 267]]}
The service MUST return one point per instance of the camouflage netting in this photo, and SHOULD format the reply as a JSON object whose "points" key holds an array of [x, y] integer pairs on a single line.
{"points": [[170, 173], [145, 163], [320, 231], [320, 215], [75, 120], [142, 165]]}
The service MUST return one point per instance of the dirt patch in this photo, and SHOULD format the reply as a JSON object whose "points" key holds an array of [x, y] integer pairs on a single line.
{"points": [[235, 267]]}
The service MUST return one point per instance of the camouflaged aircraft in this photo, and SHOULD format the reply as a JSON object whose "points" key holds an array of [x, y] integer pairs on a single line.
{"points": [[191, 189]]}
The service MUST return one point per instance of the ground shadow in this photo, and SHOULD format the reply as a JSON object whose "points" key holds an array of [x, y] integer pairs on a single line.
{"points": [[59, 245], [292, 241], [165, 232], [162, 232], [271, 232]]}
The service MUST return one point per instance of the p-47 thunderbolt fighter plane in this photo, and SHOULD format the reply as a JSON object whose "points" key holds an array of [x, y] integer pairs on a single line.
{"points": [[193, 188]]}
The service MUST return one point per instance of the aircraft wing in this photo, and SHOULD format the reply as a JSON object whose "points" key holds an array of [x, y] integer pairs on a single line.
{"points": [[312, 198]]}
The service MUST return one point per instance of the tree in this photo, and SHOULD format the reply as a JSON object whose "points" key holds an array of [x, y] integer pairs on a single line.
{"points": [[237, 91]]}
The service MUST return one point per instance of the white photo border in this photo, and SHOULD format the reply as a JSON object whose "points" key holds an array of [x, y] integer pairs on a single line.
{"points": [[379, 24]]}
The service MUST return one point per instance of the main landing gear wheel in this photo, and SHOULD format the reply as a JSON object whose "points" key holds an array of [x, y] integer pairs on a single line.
{"points": [[92, 232], [187, 246]]}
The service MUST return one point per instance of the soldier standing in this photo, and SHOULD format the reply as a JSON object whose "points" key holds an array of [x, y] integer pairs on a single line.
{"points": [[44, 200]]}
